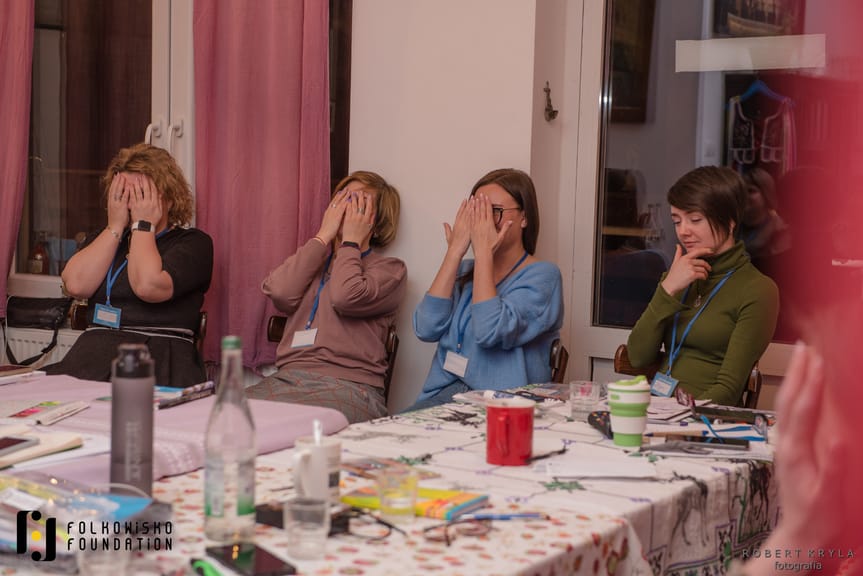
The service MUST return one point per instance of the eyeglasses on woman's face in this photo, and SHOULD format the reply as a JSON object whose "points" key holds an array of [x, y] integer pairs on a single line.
{"points": [[497, 213], [451, 530]]}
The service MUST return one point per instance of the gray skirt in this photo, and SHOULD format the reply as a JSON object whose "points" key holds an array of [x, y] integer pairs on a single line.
{"points": [[358, 402]]}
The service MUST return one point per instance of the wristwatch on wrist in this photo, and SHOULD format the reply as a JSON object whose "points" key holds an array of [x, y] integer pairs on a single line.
{"points": [[142, 225], [350, 244]]}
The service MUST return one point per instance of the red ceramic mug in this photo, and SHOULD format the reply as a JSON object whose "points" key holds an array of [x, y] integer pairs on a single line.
{"points": [[509, 431]]}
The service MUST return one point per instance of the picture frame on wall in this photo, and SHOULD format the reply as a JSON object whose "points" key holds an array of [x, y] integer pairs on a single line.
{"points": [[746, 18], [631, 44]]}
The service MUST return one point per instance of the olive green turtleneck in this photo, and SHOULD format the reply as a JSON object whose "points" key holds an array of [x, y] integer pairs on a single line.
{"points": [[725, 341]]}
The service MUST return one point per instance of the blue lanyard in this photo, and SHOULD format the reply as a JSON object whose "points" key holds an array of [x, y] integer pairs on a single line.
{"points": [[323, 281], [111, 277], [675, 350], [463, 321]]}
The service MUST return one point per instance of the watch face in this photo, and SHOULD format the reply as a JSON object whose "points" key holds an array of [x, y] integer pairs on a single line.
{"points": [[143, 226]]}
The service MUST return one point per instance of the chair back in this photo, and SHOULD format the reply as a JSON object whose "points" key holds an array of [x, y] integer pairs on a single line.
{"points": [[558, 359], [276, 328], [753, 389], [622, 365], [392, 348]]}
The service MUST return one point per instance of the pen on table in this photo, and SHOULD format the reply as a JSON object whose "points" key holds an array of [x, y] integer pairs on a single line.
{"points": [[203, 567], [170, 402], [198, 388], [546, 455], [671, 433], [517, 516]]}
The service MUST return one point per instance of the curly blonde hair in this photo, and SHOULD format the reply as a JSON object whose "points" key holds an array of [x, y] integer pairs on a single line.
{"points": [[165, 173]]}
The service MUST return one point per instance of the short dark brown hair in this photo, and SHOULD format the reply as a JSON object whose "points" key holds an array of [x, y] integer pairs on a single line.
{"points": [[717, 192], [387, 205], [520, 186], [165, 173]]}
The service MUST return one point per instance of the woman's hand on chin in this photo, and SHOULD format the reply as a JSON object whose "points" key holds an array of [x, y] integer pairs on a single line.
{"points": [[686, 269]]}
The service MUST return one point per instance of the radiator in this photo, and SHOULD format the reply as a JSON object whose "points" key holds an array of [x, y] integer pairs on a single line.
{"points": [[27, 342]]}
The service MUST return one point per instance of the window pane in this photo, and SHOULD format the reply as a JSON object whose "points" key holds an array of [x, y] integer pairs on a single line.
{"points": [[91, 96], [659, 123]]}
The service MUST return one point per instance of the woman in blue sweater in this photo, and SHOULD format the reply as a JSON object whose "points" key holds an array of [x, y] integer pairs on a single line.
{"points": [[495, 317]]}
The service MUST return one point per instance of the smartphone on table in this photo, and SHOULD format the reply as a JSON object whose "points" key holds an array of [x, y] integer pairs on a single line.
{"points": [[250, 560], [9, 444]]}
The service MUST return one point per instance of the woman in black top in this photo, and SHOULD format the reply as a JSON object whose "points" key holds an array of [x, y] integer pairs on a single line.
{"points": [[144, 275]]}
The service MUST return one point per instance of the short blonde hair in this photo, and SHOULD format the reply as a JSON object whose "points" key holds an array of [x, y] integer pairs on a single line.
{"points": [[165, 173], [387, 205]]}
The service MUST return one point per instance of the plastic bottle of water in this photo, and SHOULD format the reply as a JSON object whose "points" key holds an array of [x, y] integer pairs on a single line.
{"points": [[229, 476]]}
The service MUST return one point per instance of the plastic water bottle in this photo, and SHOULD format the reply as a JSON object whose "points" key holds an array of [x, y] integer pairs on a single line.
{"points": [[229, 475], [132, 388]]}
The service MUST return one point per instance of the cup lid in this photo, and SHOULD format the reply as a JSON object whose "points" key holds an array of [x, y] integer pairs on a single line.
{"points": [[637, 384], [516, 402]]}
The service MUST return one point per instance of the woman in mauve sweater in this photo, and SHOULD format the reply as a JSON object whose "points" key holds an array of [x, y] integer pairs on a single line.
{"points": [[713, 311], [340, 297]]}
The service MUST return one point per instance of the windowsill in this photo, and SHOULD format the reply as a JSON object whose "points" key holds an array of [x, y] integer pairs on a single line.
{"points": [[34, 286]]}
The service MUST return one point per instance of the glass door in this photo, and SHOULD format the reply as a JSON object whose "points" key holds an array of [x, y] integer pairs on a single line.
{"points": [[677, 85]]}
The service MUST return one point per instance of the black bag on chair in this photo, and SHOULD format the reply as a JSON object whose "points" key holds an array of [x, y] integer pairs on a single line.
{"points": [[44, 313]]}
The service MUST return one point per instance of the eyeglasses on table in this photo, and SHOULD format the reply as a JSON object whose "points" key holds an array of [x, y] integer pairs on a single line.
{"points": [[449, 531], [361, 523]]}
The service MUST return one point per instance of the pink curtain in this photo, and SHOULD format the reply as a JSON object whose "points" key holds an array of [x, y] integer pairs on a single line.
{"points": [[16, 53], [262, 151]]}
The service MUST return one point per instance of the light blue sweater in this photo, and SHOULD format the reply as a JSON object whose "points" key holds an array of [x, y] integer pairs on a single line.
{"points": [[507, 339]]}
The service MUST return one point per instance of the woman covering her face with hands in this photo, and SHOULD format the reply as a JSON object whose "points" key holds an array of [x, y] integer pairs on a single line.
{"points": [[713, 311], [144, 275], [494, 317], [340, 297]]}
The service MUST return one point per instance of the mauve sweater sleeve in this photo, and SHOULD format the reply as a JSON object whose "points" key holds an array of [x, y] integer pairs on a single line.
{"points": [[365, 287], [287, 284]]}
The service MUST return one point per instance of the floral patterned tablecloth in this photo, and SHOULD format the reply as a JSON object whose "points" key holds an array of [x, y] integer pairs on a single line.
{"points": [[690, 519]]}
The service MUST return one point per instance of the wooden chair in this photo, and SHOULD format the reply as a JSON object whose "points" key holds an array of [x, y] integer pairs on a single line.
{"points": [[79, 314], [558, 360], [622, 365], [276, 329]]}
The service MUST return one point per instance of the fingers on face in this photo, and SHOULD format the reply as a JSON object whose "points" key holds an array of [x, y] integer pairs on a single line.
{"points": [[801, 401]]}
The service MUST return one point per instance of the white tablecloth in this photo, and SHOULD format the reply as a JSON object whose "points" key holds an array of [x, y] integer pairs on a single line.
{"points": [[691, 519]]}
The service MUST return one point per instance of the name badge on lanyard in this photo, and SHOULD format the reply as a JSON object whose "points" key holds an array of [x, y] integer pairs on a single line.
{"points": [[663, 385], [107, 315], [304, 338], [455, 363]]}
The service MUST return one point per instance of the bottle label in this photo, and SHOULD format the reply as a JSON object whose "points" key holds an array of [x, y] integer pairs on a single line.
{"points": [[214, 490], [246, 489], [35, 266]]}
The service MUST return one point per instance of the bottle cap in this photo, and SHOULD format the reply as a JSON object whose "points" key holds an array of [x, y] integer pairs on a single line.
{"points": [[133, 361], [231, 343]]}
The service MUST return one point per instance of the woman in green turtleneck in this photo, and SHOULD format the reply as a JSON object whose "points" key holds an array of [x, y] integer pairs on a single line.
{"points": [[710, 281]]}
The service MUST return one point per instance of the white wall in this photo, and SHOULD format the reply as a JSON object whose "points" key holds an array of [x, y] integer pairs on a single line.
{"points": [[442, 91]]}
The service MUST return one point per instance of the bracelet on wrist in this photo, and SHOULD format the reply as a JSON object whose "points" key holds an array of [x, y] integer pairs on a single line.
{"points": [[350, 245], [111, 230], [319, 239]]}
